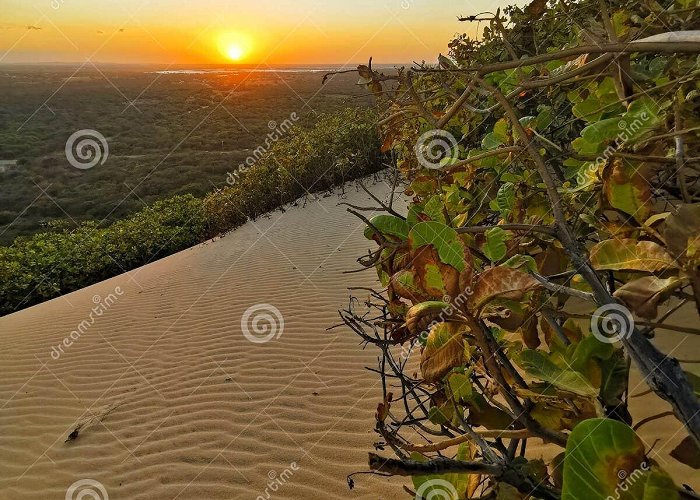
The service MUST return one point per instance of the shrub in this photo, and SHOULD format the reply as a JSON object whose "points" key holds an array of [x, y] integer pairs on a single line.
{"points": [[337, 148], [552, 232]]}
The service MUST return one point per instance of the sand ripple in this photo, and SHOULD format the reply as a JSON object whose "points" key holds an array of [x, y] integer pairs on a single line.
{"points": [[173, 400]]}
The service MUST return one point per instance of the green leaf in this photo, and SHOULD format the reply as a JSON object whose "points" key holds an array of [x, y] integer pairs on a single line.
{"points": [[544, 118], [602, 131], [506, 198], [538, 364], [388, 225], [523, 262], [445, 239], [491, 141], [587, 349], [434, 209], [588, 110], [495, 248], [605, 459], [412, 217], [499, 136], [694, 382], [615, 373], [584, 147], [642, 116], [460, 385], [658, 484]]}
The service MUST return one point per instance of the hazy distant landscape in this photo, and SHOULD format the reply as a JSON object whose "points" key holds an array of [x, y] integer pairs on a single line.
{"points": [[171, 130]]}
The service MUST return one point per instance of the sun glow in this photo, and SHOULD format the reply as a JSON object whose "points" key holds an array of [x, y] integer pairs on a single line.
{"points": [[235, 52], [234, 46]]}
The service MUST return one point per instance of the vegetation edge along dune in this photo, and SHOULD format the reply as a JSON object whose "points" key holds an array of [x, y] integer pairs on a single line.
{"points": [[339, 147]]}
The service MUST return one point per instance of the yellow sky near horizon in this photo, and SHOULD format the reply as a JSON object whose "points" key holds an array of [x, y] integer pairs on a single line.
{"points": [[220, 31]]}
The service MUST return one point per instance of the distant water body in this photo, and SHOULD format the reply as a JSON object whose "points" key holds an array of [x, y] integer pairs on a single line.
{"points": [[236, 70]]}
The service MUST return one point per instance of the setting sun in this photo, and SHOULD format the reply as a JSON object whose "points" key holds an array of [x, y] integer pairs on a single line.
{"points": [[234, 46], [235, 52]]}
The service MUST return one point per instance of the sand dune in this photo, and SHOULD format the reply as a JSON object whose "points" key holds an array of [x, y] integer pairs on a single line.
{"points": [[175, 401], [172, 400]]}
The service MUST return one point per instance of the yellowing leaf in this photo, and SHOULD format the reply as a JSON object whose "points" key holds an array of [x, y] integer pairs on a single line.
{"points": [[682, 230], [643, 295], [405, 285], [444, 350], [503, 282], [536, 8], [626, 189], [596, 451], [449, 486], [548, 416], [629, 254], [419, 317], [435, 278]]}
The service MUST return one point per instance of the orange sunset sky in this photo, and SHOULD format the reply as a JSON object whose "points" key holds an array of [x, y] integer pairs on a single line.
{"points": [[220, 31]]}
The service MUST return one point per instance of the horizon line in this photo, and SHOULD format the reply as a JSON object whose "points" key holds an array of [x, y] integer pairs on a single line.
{"points": [[141, 63]]}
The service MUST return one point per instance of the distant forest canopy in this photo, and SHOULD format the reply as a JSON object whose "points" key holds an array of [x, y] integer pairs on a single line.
{"points": [[336, 148], [168, 134]]}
